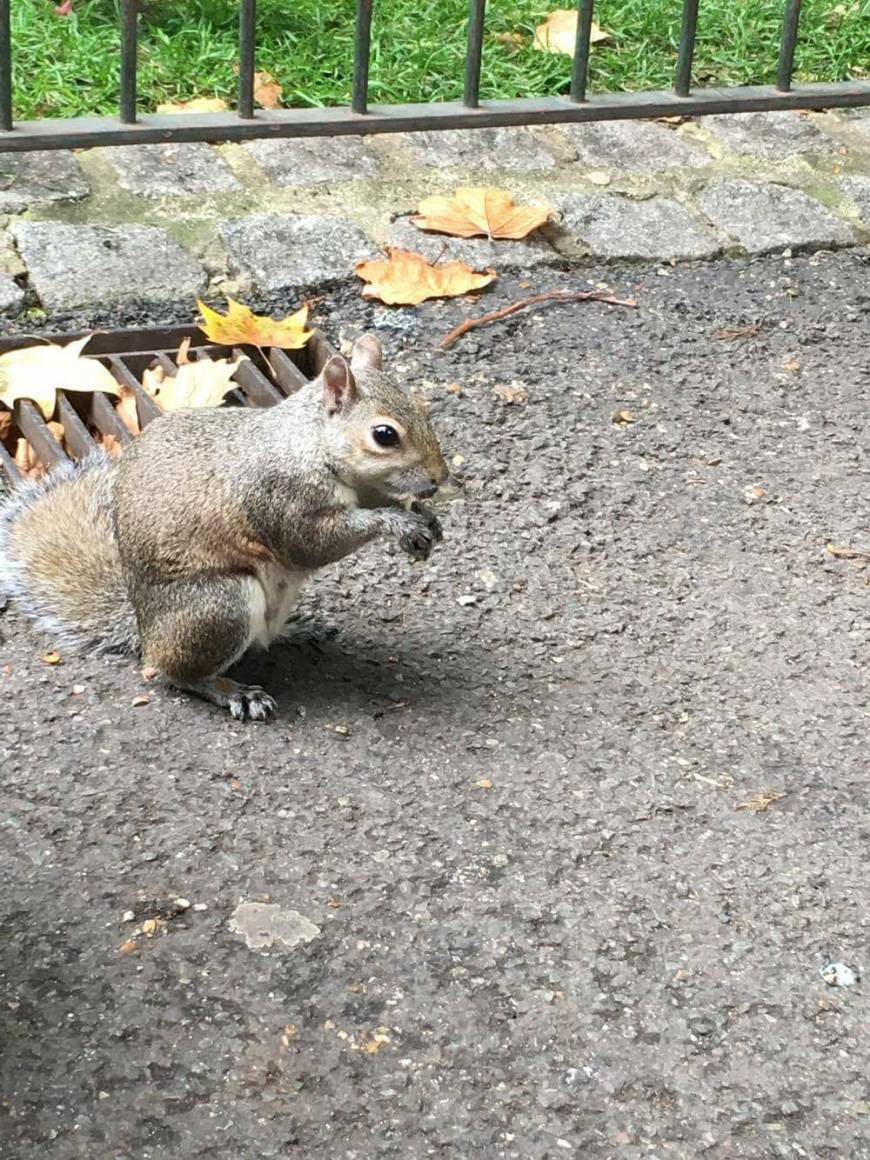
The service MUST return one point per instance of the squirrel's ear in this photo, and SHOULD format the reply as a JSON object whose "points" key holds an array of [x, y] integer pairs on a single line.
{"points": [[339, 388], [367, 354]]}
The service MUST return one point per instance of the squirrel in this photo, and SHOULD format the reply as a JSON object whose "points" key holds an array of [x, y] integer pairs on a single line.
{"points": [[193, 545]]}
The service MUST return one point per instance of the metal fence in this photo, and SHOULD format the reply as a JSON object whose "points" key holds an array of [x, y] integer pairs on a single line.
{"points": [[360, 117]]}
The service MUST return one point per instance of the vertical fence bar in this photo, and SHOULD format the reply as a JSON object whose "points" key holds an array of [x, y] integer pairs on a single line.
{"points": [[247, 55], [361, 51], [129, 34], [474, 52], [580, 70], [5, 66], [787, 45], [683, 80]]}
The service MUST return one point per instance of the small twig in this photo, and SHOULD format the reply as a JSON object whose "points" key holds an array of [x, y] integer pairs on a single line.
{"points": [[551, 296]]}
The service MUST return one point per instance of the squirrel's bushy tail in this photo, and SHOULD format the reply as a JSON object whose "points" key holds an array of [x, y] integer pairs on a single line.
{"points": [[59, 559]]}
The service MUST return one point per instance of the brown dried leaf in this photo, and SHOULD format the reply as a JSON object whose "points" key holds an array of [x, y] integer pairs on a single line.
{"points": [[558, 33], [479, 211], [267, 91], [511, 39], [407, 279]]}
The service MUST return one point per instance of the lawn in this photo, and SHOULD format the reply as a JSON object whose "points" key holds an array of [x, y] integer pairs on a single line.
{"points": [[68, 65]]}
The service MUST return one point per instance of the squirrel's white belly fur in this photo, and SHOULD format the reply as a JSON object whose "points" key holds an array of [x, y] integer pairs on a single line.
{"points": [[271, 597]]}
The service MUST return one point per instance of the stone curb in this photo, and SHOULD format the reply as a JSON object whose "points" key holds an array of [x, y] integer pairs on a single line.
{"points": [[157, 222]]}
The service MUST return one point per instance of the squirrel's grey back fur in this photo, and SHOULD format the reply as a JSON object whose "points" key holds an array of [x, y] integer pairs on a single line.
{"points": [[86, 608]]}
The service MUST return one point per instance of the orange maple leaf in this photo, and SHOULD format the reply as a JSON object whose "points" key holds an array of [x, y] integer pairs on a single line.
{"points": [[406, 279], [475, 211]]}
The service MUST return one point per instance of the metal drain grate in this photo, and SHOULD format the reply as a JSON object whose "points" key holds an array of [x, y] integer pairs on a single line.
{"points": [[127, 354]]}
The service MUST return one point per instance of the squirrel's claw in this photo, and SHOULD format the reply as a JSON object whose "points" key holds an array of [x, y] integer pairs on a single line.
{"points": [[250, 703]]}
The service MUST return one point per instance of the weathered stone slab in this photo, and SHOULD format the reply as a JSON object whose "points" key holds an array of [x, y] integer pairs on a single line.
{"points": [[516, 150], [774, 136], [617, 227], [857, 189], [630, 146], [11, 295], [479, 253], [171, 170], [34, 179], [73, 266], [306, 161], [279, 251], [765, 217]]}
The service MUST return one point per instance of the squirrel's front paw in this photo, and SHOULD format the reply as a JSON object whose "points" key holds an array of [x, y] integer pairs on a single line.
{"points": [[432, 521], [417, 534]]}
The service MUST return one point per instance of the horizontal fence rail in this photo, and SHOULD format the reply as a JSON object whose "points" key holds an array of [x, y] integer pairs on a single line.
{"points": [[360, 117]]}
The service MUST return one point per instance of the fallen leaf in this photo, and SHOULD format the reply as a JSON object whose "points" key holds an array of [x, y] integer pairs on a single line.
{"points": [[150, 926], [730, 332], [761, 801], [241, 327], [624, 417], [39, 372], [267, 91], [511, 39], [203, 383], [843, 553], [406, 279], [52, 658], [195, 105], [478, 211], [558, 33], [510, 393], [128, 409]]}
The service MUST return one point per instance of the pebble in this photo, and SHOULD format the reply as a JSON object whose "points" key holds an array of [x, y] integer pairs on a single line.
{"points": [[840, 975]]}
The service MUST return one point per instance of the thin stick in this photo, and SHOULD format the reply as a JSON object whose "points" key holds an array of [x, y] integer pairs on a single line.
{"points": [[551, 296]]}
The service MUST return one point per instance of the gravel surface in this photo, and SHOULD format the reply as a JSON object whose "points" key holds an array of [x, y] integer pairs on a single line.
{"points": [[513, 904]]}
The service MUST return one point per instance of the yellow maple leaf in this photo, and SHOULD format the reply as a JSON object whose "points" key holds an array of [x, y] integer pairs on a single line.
{"points": [[241, 327], [406, 279], [203, 383], [39, 372], [558, 33], [476, 211], [195, 105]]}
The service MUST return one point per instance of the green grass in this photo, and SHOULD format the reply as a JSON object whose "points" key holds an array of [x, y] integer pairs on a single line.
{"points": [[66, 66]]}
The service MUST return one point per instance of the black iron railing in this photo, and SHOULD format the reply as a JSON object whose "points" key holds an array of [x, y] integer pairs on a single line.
{"points": [[131, 126]]}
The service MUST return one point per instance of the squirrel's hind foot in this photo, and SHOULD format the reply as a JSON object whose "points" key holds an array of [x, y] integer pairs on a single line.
{"points": [[245, 702]]}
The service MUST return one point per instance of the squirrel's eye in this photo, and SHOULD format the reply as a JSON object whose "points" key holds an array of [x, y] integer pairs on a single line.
{"points": [[385, 436]]}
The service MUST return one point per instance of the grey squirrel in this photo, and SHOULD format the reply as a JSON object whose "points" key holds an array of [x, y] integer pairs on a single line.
{"points": [[193, 545]]}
